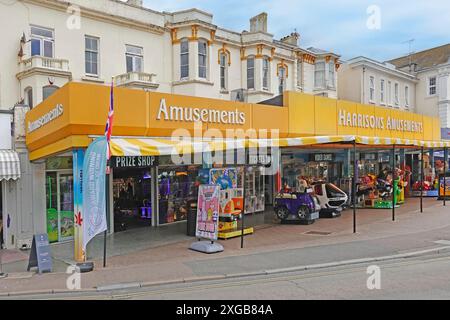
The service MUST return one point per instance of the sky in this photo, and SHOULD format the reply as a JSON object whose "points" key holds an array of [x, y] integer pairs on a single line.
{"points": [[376, 29]]}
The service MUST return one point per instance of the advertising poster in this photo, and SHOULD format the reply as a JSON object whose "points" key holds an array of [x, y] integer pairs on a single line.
{"points": [[208, 212], [447, 186], [226, 178]]}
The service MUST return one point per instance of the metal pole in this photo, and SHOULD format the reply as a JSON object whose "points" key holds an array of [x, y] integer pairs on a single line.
{"points": [[422, 178], [445, 174], [243, 202], [354, 186], [107, 212], [393, 182]]}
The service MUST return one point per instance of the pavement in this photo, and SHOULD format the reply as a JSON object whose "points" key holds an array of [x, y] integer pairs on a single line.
{"points": [[272, 248]]}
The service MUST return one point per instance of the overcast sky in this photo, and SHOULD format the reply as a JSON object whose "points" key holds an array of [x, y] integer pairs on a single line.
{"points": [[336, 25]]}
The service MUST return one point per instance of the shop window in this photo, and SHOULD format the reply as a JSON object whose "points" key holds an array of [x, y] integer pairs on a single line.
{"points": [[202, 59], [134, 58], [47, 91], [250, 73], [42, 42], [184, 59], [178, 189]]}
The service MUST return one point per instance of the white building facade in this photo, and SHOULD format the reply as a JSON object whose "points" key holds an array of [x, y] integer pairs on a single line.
{"points": [[49, 43]]}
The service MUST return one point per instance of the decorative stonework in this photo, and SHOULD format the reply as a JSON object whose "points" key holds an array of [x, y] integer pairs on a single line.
{"points": [[259, 51], [174, 35], [309, 58], [194, 34], [212, 34], [243, 57], [226, 52]]}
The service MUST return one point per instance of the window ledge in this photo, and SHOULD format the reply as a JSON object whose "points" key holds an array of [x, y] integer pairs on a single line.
{"points": [[253, 91], [192, 81], [93, 79], [223, 91]]}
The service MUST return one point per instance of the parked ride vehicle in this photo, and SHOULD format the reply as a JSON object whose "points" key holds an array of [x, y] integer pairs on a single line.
{"points": [[297, 207], [331, 199]]}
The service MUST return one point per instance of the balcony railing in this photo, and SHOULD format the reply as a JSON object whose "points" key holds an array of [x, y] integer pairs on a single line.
{"points": [[136, 79], [44, 63]]}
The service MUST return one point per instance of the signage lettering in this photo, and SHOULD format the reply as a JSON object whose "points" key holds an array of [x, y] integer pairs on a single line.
{"points": [[134, 162], [46, 118], [188, 114], [348, 119]]}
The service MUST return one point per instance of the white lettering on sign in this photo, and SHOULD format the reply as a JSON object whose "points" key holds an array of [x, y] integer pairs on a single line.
{"points": [[175, 113], [46, 118], [357, 120]]}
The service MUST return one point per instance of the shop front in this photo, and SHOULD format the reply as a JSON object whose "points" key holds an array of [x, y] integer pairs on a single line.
{"points": [[165, 146]]}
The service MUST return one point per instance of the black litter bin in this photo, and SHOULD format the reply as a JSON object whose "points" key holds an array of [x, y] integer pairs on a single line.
{"points": [[192, 219]]}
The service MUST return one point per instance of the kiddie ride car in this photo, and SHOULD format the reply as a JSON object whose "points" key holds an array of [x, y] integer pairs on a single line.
{"points": [[331, 199], [297, 207]]}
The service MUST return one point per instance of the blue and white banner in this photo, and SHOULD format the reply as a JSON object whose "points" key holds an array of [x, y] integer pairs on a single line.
{"points": [[94, 200]]}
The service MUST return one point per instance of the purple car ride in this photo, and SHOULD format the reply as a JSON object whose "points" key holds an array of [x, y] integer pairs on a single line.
{"points": [[297, 206]]}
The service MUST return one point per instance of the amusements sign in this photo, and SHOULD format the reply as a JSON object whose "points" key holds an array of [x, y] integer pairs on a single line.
{"points": [[208, 212]]}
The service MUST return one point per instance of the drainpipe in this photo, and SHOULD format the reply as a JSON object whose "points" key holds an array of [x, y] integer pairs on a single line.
{"points": [[363, 91]]}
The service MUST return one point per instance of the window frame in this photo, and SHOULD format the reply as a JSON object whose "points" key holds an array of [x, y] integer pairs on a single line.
{"points": [[48, 86], [134, 57], [28, 91], [372, 89], [407, 96], [331, 75], [323, 72], [281, 79], [203, 43], [266, 74], [42, 41], [184, 53], [86, 50], [396, 93], [382, 91], [250, 58], [429, 86], [389, 95], [223, 68], [299, 73]]}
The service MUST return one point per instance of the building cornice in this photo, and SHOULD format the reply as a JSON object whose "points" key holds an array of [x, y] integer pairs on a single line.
{"points": [[100, 16]]}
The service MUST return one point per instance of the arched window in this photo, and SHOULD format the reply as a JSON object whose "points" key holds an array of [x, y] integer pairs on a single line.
{"points": [[184, 59], [29, 97], [47, 91], [202, 58]]}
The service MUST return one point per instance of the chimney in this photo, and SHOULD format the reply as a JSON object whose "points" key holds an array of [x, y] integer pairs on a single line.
{"points": [[259, 23], [137, 3], [292, 39]]}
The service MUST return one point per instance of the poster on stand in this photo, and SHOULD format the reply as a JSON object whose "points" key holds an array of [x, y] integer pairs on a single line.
{"points": [[208, 212]]}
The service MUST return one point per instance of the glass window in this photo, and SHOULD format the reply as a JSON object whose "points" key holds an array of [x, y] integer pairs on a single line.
{"points": [[319, 75], [331, 74], [250, 73], [299, 73], [389, 90], [266, 66], [382, 94], [223, 71], [42, 42], [29, 97], [134, 57], [432, 87], [407, 96], [178, 189], [47, 91], [281, 79], [396, 94], [184, 59], [371, 89], [202, 59], [91, 55]]}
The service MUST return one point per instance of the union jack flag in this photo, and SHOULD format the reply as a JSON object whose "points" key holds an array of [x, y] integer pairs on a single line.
{"points": [[109, 123]]}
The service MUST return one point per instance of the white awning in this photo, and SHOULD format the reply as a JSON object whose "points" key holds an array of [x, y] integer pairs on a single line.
{"points": [[145, 146], [9, 165]]}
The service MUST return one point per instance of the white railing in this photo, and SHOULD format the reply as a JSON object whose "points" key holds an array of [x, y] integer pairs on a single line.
{"points": [[44, 63], [131, 78]]}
